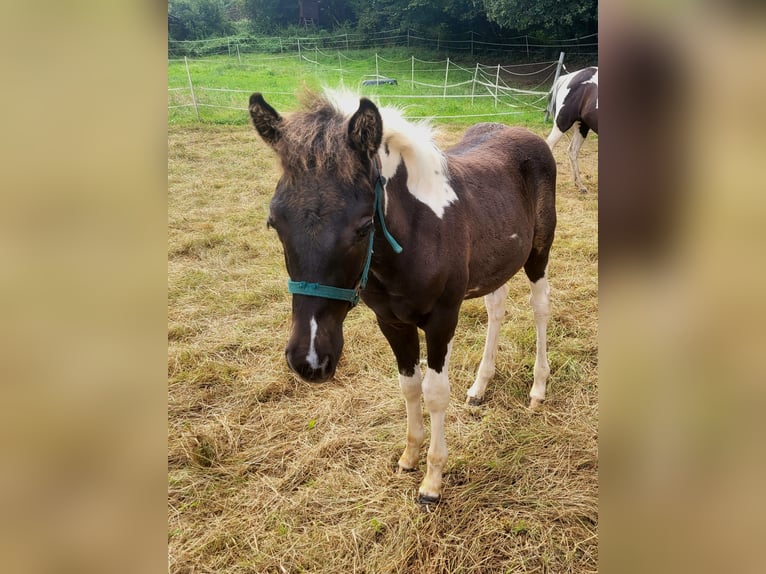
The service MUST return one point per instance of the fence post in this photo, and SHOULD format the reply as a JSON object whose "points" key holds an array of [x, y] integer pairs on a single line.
{"points": [[299, 49], [340, 67], [191, 87], [239, 59], [473, 84], [555, 79], [526, 40], [316, 58], [408, 37], [412, 81], [446, 76], [472, 49], [497, 83], [377, 72]]}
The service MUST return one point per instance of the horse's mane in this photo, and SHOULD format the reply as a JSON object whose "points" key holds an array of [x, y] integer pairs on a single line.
{"points": [[314, 136]]}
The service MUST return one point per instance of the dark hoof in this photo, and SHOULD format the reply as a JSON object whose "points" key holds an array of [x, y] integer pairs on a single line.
{"points": [[535, 404], [403, 469], [426, 500], [474, 402]]}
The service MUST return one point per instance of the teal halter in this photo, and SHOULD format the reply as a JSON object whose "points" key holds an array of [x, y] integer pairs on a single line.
{"points": [[351, 295]]}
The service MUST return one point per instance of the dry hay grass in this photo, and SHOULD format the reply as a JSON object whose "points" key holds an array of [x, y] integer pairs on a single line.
{"points": [[269, 474]]}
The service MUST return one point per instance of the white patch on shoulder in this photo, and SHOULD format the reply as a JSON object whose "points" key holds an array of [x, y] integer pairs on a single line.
{"points": [[312, 358], [411, 142]]}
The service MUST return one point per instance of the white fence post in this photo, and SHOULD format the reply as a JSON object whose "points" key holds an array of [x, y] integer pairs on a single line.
{"points": [[377, 71], [340, 67], [191, 87], [473, 84], [446, 77], [239, 59], [497, 83], [412, 81], [299, 49]]}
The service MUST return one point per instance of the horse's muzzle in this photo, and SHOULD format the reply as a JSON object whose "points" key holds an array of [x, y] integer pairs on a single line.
{"points": [[313, 372]]}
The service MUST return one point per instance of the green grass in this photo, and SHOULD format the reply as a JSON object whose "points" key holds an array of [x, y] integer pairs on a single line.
{"points": [[281, 76]]}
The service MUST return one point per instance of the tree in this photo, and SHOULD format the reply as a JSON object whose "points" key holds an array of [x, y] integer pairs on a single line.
{"points": [[555, 19], [268, 15], [196, 19]]}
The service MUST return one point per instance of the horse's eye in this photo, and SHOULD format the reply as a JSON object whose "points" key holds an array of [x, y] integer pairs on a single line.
{"points": [[364, 230]]}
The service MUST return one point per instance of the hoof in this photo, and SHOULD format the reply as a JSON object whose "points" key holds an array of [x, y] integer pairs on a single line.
{"points": [[403, 469], [428, 500], [474, 401], [535, 404]]}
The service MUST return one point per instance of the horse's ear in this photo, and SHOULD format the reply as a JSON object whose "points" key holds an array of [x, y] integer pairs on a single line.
{"points": [[266, 120], [365, 129]]}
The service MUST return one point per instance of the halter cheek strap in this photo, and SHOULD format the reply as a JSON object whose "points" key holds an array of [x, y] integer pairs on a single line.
{"points": [[352, 295]]}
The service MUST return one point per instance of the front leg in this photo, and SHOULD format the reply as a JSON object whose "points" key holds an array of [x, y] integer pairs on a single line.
{"points": [[405, 344], [436, 390], [440, 330]]}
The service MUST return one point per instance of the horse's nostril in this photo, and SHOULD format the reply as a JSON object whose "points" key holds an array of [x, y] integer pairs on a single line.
{"points": [[323, 365]]}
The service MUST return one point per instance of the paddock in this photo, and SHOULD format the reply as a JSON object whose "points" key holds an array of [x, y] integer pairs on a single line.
{"points": [[271, 474]]}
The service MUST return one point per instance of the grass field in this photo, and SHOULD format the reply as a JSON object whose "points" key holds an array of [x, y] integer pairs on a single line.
{"points": [[270, 474], [223, 84]]}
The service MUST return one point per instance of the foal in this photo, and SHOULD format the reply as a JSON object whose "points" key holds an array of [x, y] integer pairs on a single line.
{"points": [[368, 205], [574, 102]]}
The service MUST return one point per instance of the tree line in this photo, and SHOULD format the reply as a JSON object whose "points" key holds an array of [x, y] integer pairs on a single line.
{"points": [[547, 20]]}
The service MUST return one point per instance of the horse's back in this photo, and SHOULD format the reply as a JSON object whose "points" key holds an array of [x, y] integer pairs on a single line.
{"points": [[492, 147], [505, 178], [508, 154]]}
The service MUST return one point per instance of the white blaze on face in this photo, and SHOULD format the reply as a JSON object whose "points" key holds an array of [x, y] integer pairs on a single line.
{"points": [[312, 358]]}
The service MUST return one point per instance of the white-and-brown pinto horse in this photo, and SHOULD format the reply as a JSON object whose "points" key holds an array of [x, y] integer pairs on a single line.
{"points": [[574, 102], [357, 181]]}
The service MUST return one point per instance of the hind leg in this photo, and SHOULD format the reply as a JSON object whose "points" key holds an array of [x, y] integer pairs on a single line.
{"points": [[536, 269], [578, 137], [539, 300], [495, 303], [554, 136]]}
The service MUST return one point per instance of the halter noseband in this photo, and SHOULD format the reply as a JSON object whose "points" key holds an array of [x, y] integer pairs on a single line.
{"points": [[352, 295]]}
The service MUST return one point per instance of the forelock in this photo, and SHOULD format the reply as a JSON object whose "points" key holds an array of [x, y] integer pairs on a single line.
{"points": [[315, 139]]}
